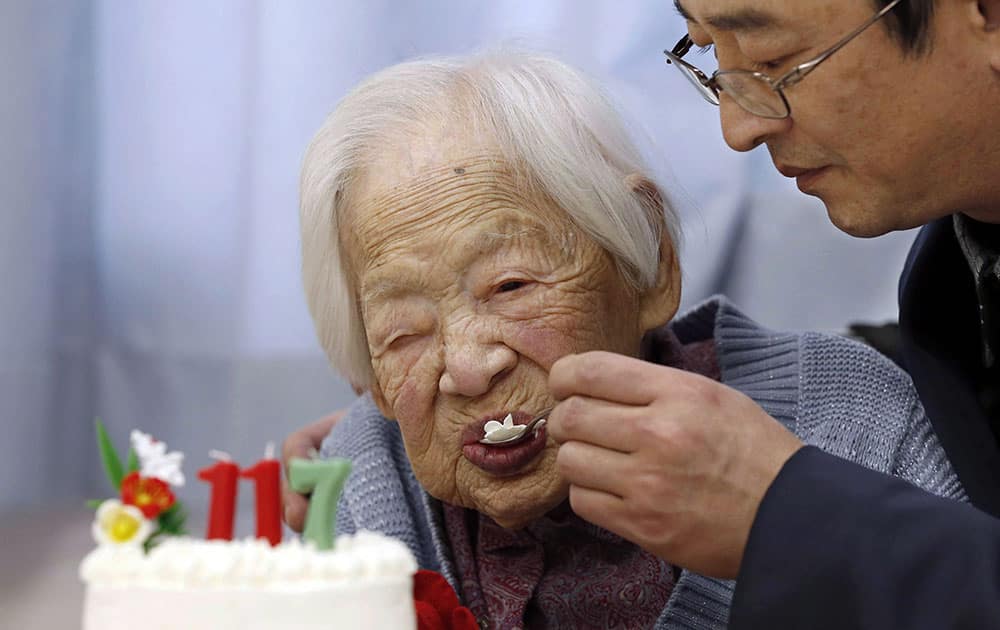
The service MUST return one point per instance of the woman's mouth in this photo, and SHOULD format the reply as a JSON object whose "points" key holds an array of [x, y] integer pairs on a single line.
{"points": [[502, 460]]}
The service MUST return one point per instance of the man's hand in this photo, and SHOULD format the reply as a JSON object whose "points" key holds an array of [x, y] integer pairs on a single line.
{"points": [[675, 462], [301, 444]]}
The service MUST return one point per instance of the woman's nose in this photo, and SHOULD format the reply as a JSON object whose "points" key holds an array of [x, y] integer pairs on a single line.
{"points": [[471, 369], [744, 131]]}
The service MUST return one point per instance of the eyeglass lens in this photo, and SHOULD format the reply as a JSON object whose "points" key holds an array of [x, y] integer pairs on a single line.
{"points": [[753, 93], [706, 92]]}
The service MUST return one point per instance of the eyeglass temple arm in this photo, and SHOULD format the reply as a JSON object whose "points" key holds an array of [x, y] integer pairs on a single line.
{"points": [[680, 49], [683, 46], [798, 73]]}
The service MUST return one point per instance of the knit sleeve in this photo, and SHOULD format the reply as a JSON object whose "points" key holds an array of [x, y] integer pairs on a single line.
{"points": [[921, 460], [345, 520], [349, 439]]}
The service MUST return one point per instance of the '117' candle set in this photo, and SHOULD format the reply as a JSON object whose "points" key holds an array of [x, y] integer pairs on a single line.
{"points": [[147, 508]]}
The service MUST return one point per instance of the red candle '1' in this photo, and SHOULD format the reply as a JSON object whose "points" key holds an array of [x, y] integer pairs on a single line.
{"points": [[223, 476], [266, 475]]}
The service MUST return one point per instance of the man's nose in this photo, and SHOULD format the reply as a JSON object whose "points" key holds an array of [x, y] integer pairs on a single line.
{"points": [[744, 131], [471, 368]]}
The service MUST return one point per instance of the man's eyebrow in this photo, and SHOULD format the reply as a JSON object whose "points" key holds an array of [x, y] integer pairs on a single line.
{"points": [[747, 19], [683, 12]]}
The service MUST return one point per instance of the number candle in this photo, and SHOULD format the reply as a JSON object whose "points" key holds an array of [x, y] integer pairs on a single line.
{"points": [[223, 476], [266, 476], [324, 478]]}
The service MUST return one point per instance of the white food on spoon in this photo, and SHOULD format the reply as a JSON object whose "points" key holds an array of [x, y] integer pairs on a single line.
{"points": [[496, 431]]}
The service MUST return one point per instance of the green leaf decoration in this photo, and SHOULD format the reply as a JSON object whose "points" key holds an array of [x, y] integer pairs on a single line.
{"points": [[112, 465], [133, 461], [169, 523], [172, 521], [94, 503], [152, 541]]}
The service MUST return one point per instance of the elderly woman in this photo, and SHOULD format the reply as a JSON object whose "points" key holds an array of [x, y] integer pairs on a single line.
{"points": [[467, 222]]}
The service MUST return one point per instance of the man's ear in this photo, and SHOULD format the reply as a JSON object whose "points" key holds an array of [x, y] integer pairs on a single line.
{"points": [[379, 398], [987, 21], [657, 304], [990, 10]]}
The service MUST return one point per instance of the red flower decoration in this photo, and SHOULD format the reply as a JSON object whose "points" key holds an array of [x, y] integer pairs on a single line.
{"points": [[437, 604], [149, 494]]}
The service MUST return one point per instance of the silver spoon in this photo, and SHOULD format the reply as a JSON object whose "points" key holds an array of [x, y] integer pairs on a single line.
{"points": [[529, 430]]}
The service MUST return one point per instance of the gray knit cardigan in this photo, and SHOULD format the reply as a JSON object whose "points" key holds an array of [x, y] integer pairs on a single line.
{"points": [[833, 393]]}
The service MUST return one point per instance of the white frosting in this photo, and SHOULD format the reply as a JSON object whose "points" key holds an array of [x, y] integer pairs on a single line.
{"points": [[366, 581], [496, 432]]}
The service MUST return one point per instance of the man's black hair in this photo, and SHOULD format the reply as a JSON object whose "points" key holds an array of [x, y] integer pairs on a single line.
{"points": [[910, 22]]}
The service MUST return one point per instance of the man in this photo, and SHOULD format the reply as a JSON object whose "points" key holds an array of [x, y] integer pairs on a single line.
{"points": [[888, 111]]}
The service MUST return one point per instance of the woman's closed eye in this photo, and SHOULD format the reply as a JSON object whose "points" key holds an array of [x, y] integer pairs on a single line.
{"points": [[511, 288], [401, 345], [401, 340], [511, 285]]}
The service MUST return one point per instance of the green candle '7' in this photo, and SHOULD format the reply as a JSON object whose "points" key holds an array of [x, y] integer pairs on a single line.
{"points": [[324, 478]]}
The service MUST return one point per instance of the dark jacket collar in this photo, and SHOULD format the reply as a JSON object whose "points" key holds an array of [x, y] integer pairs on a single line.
{"points": [[941, 349], [980, 244]]}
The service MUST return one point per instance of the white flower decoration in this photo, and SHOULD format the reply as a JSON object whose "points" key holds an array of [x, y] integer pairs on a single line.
{"points": [[120, 525], [155, 461]]}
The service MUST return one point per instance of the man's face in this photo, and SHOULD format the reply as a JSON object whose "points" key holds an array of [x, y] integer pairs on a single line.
{"points": [[888, 140]]}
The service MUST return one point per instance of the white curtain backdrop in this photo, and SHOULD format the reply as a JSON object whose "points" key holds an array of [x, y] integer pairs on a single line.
{"points": [[149, 156]]}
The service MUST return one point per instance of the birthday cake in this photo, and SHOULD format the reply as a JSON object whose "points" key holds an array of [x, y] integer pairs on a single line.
{"points": [[146, 572], [366, 582]]}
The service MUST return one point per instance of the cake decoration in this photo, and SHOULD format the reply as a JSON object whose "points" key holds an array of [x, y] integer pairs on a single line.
{"points": [[145, 567], [150, 494], [118, 524], [323, 480], [266, 477], [154, 460], [224, 479], [145, 509]]}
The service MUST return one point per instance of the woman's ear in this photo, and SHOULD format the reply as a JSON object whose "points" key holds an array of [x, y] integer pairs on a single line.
{"points": [[659, 303]]}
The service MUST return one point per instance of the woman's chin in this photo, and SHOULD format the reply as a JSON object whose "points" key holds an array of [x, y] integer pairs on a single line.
{"points": [[520, 517], [512, 501]]}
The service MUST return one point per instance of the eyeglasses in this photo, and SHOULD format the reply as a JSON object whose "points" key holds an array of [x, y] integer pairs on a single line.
{"points": [[756, 92]]}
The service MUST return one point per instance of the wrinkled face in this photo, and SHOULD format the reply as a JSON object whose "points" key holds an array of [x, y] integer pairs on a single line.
{"points": [[887, 140], [470, 289]]}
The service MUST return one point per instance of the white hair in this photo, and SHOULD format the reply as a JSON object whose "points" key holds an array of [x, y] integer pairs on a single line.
{"points": [[546, 119]]}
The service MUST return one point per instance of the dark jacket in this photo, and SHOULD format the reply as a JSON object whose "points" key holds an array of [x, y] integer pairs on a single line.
{"points": [[838, 546]]}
